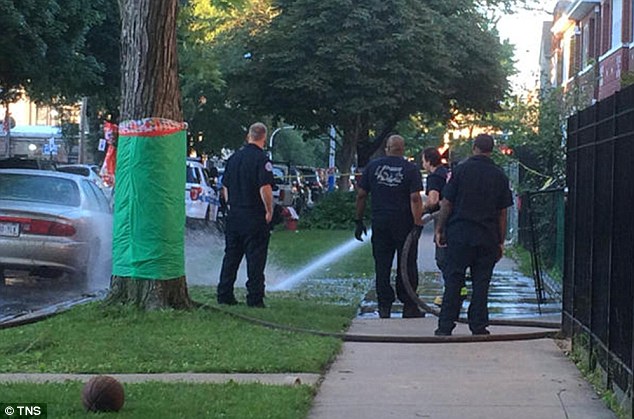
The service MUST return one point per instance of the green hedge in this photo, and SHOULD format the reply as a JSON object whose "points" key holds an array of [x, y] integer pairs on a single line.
{"points": [[334, 211]]}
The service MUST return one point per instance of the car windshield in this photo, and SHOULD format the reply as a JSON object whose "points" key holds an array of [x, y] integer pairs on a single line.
{"points": [[309, 174], [279, 175], [47, 189]]}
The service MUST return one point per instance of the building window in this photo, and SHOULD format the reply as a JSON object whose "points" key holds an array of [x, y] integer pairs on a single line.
{"points": [[617, 20], [41, 115], [567, 65], [585, 44]]}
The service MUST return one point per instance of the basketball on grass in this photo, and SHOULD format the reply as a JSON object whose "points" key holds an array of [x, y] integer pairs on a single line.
{"points": [[102, 393]]}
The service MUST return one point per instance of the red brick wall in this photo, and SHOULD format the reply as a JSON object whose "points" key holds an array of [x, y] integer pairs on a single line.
{"points": [[611, 70]]}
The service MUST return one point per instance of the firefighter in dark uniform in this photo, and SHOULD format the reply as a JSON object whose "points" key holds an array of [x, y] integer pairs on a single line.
{"points": [[395, 185], [472, 224], [436, 180], [247, 188]]}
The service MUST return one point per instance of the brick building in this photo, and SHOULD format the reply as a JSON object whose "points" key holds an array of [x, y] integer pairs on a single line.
{"points": [[591, 47]]}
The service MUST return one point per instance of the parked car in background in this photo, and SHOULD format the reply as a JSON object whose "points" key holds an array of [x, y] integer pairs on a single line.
{"points": [[311, 183], [289, 190], [201, 198], [27, 163], [283, 190], [90, 171], [53, 223]]}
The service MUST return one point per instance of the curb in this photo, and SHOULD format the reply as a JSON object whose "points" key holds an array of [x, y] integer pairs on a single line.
{"points": [[274, 379]]}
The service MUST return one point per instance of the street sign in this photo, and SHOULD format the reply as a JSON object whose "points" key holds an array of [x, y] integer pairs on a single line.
{"points": [[48, 150]]}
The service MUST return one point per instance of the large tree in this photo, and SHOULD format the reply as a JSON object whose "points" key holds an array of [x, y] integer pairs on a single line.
{"points": [[365, 65], [150, 88]]}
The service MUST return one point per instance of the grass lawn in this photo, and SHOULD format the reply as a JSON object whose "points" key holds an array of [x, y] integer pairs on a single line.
{"points": [[155, 400], [101, 339], [98, 339]]}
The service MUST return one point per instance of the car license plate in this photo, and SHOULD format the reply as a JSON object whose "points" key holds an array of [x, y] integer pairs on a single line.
{"points": [[10, 229]]}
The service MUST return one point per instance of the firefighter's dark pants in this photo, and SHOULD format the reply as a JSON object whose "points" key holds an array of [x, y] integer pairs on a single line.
{"points": [[245, 236], [388, 238], [481, 260]]}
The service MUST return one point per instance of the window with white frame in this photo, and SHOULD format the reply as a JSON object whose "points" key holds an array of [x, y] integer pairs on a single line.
{"points": [[566, 59]]}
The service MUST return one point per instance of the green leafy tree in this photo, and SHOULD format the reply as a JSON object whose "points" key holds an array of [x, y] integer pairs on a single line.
{"points": [[291, 147], [366, 65], [211, 39], [533, 126], [43, 48], [57, 51]]}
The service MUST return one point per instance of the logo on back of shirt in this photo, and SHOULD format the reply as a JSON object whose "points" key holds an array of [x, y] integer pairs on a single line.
{"points": [[389, 175]]}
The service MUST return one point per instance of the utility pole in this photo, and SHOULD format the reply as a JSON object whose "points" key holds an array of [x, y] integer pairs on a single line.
{"points": [[7, 130], [273, 136], [331, 160], [82, 131]]}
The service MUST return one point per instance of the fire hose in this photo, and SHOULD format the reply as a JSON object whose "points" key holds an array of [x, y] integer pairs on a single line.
{"points": [[411, 239]]}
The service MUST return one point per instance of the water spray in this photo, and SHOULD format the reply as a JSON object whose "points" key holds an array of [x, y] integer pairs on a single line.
{"points": [[328, 258]]}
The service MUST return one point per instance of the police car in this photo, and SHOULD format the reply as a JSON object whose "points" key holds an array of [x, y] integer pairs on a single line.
{"points": [[201, 199]]}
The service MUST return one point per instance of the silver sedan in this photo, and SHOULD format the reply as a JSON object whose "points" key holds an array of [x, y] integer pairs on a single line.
{"points": [[53, 223]]}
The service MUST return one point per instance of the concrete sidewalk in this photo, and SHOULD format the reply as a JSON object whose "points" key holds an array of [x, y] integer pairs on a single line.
{"points": [[520, 380]]}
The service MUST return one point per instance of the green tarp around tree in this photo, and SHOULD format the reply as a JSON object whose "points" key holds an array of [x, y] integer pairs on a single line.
{"points": [[149, 209]]}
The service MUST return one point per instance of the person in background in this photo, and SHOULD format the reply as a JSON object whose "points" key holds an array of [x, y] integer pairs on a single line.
{"points": [[395, 185], [472, 225], [247, 189], [437, 174], [436, 180]]}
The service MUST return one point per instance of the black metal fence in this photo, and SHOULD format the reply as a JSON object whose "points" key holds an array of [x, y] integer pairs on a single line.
{"points": [[541, 231], [599, 239]]}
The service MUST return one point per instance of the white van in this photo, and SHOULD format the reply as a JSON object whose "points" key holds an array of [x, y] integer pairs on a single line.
{"points": [[201, 199]]}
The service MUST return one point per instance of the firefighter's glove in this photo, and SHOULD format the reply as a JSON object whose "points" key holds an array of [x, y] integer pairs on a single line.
{"points": [[359, 230]]}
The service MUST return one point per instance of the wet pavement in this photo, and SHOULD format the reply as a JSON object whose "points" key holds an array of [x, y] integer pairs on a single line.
{"points": [[511, 295], [24, 294]]}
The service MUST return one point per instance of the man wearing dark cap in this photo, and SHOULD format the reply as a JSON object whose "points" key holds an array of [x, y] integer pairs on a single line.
{"points": [[472, 224]]}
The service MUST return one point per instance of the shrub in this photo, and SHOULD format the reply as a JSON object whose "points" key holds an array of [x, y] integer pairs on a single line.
{"points": [[334, 211]]}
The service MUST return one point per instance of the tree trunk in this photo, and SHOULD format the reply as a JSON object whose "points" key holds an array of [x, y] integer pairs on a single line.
{"points": [[370, 149], [355, 130], [356, 142], [150, 88], [149, 62]]}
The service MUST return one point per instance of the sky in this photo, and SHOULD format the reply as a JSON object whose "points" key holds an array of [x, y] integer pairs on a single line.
{"points": [[524, 30]]}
